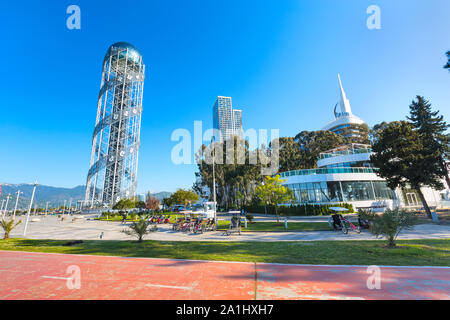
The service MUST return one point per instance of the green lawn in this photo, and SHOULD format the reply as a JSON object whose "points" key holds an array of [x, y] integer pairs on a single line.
{"points": [[409, 252], [273, 226]]}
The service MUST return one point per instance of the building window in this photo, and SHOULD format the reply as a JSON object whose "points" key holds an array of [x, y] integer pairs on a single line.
{"points": [[357, 190], [382, 191]]}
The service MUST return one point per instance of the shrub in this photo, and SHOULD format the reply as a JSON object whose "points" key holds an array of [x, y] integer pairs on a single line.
{"points": [[8, 226], [299, 209], [139, 229], [389, 224], [249, 218]]}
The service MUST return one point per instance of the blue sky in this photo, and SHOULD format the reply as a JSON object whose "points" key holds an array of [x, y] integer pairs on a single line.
{"points": [[278, 60]]}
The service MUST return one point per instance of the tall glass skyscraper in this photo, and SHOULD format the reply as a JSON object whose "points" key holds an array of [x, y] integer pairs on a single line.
{"points": [[115, 145], [226, 120]]}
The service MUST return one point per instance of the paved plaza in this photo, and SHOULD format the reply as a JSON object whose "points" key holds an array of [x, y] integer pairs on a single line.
{"points": [[51, 227], [26, 275]]}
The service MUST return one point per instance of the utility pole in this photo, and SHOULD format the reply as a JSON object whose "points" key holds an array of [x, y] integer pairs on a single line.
{"points": [[214, 181], [17, 201], [29, 208], [5, 211]]}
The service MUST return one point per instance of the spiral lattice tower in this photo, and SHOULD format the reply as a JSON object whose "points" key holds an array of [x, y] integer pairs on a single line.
{"points": [[115, 144]]}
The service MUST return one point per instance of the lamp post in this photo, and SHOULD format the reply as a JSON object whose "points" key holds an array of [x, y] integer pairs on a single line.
{"points": [[29, 208], [17, 201], [5, 210], [70, 206], [1, 209], [46, 208], [214, 181], [64, 207]]}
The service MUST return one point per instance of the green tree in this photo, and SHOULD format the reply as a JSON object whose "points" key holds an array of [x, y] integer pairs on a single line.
{"points": [[273, 193], [432, 130], [290, 154], [8, 226], [312, 143], [139, 229], [374, 133], [401, 159], [390, 223], [183, 196], [236, 176], [167, 202], [127, 203]]}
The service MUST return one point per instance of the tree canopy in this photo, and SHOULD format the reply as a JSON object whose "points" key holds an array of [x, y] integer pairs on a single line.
{"points": [[151, 203], [235, 177], [447, 66], [181, 196], [272, 192], [401, 158], [126, 203], [432, 131]]}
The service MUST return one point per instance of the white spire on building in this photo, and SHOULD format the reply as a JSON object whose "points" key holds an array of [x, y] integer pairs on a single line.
{"points": [[344, 103]]}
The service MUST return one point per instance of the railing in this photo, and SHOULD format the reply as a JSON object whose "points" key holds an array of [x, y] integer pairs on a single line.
{"points": [[343, 153], [308, 172]]}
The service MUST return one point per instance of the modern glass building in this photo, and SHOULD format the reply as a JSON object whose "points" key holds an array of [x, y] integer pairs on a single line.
{"points": [[116, 139], [344, 174], [226, 120]]}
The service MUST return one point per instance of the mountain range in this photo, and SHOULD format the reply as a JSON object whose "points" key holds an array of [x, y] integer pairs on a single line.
{"points": [[54, 195]]}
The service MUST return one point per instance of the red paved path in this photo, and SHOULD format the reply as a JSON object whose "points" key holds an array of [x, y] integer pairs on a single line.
{"points": [[25, 275]]}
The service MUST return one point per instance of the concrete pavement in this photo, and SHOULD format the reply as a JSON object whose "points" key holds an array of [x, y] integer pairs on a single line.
{"points": [[51, 227]]}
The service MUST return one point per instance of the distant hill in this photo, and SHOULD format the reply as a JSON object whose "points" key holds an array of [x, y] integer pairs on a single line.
{"points": [[54, 195], [161, 195]]}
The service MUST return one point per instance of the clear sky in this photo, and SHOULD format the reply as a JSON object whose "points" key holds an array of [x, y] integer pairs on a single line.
{"points": [[277, 59]]}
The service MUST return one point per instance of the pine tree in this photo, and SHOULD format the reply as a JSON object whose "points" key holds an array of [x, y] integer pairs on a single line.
{"points": [[447, 66], [402, 158], [431, 127]]}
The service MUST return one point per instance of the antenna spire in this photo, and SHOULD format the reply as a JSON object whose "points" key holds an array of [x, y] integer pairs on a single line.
{"points": [[344, 103]]}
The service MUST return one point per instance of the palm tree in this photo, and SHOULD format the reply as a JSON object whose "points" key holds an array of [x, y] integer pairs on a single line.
{"points": [[8, 226], [139, 229]]}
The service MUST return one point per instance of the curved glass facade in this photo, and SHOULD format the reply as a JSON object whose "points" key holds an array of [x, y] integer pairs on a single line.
{"points": [[340, 169], [338, 191]]}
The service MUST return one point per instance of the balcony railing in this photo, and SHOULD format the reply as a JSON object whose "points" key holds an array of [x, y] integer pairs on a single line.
{"points": [[308, 172], [343, 153]]}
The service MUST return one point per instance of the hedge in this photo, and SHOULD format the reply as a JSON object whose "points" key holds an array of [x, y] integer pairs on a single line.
{"points": [[299, 210]]}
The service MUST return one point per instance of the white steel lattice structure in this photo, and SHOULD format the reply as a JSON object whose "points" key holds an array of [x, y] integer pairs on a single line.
{"points": [[115, 145]]}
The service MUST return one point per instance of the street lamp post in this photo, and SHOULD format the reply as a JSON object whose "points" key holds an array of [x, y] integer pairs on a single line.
{"points": [[29, 208], [5, 211], [1, 209], [64, 207], [17, 201], [70, 206], [214, 182], [46, 208]]}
